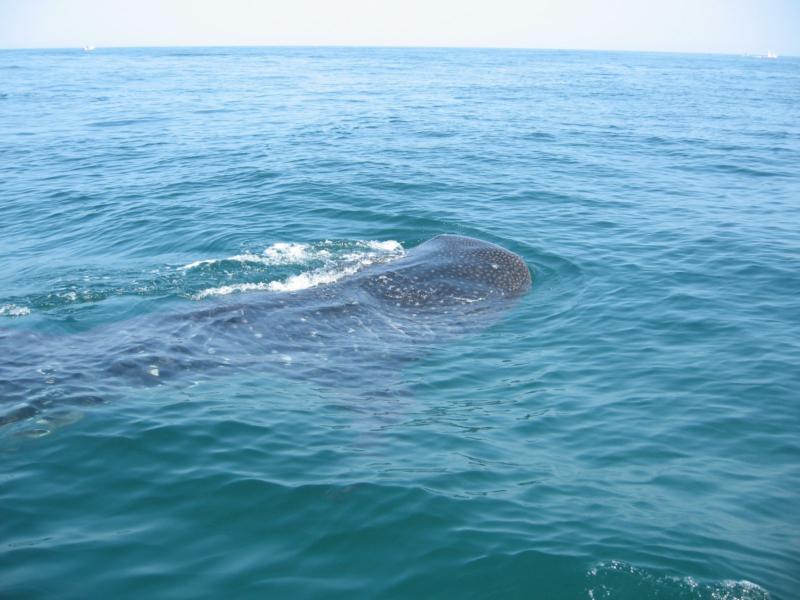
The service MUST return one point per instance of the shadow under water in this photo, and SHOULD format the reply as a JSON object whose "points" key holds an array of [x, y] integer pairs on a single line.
{"points": [[349, 333]]}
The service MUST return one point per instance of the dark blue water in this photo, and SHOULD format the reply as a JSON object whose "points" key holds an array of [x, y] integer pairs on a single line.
{"points": [[628, 429]]}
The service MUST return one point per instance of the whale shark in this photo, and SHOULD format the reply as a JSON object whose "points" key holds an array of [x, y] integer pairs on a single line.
{"points": [[343, 333]]}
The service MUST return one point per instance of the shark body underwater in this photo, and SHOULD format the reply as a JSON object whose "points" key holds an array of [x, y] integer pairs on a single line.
{"points": [[349, 333]]}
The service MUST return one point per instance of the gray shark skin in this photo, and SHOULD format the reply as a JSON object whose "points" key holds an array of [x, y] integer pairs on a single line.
{"points": [[344, 334]]}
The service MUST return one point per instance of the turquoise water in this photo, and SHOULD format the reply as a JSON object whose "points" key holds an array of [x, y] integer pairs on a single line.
{"points": [[628, 429]]}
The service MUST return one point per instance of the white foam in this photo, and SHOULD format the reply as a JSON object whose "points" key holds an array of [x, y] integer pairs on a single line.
{"points": [[294, 283], [336, 267], [310, 279], [281, 253], [197, 263], [287, 253], [680, 586], [291, 253], [387, 246], [12, 310], [224, 290]]}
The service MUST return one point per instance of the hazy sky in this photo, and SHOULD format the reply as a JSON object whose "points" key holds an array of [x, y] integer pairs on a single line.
{"points": [[730, 26]]}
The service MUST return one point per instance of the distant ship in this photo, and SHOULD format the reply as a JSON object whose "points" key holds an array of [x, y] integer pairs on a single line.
{"points": [[88, 48], [771, 54]]}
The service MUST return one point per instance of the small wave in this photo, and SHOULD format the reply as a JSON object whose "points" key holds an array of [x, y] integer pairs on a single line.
{"points": [[388, 246], [12, 310], [281, 267], [291, 284], [744, 170], [126, 122], [278, 254], [609, 580], [291, 253], [336, 265], [539, 135]]}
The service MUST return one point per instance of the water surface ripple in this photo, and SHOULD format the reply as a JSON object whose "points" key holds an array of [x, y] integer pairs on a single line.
{"points": [[628, 429]]}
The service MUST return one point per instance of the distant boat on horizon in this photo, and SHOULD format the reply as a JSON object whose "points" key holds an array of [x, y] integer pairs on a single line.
{"points": [[88, 48], [771, 54]]}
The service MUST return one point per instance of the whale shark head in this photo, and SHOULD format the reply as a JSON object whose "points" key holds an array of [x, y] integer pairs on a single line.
{"points": [[450, 270]]}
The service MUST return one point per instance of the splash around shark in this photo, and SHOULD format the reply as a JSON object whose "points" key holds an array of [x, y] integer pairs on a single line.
{"points": [[337, 334]]}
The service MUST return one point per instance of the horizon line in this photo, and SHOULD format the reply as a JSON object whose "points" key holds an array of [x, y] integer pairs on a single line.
{"points": [[391, 46]]}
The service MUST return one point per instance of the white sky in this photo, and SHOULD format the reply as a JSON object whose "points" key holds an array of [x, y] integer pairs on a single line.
{"points": [[727, 26]]}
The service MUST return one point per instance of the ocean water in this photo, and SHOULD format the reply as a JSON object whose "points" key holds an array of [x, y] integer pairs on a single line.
{"points": [[628, 429]]}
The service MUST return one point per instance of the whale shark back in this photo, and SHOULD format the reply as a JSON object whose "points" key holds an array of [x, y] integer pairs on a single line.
{"points": [[448, 271]]}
